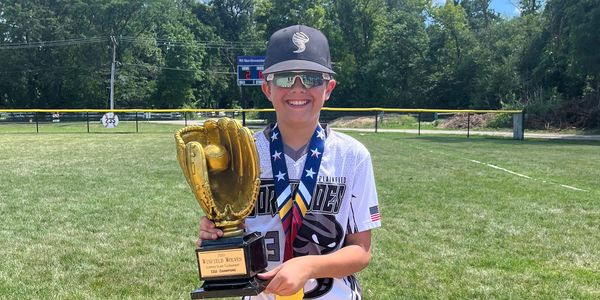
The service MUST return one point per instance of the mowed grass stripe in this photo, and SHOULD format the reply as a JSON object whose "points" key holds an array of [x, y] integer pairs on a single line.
{"points": [[110, 216]]}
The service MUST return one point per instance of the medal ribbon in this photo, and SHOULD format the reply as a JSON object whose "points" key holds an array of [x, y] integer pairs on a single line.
{"points": [[294, 204]]}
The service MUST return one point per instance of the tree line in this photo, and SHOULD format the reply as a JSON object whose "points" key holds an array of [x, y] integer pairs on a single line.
{"points": [[386, 53]]}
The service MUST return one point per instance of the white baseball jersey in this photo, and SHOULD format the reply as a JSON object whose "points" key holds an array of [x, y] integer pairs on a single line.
{"points": [[344, 202]]}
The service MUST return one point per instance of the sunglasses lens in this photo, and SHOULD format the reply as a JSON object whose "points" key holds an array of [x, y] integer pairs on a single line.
{"points": [[309, 80], [312, 79], [284, 80]]}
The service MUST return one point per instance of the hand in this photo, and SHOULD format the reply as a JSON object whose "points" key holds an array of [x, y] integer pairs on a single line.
{"points": [[289, 277], [208, 231]]}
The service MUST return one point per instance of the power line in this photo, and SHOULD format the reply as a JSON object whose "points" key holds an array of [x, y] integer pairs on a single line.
{"points": [[218, 43], [55, 43], [85, 68], [91, 68], [88, 75], [177, 69], [205, 44], [158, 42]]}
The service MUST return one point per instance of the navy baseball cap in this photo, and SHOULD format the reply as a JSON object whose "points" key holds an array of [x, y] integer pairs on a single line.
{"points": [[298, 47]]}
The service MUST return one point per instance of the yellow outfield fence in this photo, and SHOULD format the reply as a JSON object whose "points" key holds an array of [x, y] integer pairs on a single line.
{"points": [[43, 116], [239, 110]]}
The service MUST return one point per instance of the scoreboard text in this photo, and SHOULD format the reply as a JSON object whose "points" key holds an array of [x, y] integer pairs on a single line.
{"points": [[249, 70]]}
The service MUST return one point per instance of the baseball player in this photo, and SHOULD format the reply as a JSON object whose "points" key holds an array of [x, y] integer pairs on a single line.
{"points": [[317, 202]]}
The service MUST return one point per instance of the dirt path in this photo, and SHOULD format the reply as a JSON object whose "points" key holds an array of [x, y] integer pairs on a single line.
{"points": [[552, 136]]}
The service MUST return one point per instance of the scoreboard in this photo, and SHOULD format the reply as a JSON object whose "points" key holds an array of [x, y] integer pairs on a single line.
{"points": [[249, 70]]}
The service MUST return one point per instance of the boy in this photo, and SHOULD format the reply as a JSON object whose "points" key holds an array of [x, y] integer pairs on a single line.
{"points": [[317, 203]]}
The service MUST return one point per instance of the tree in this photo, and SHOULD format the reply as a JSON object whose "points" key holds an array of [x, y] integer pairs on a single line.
{"points": [[277, 14], [398, 53], [233, 23], [452, 67], [566, 69], [398, 63], [59, 74], [529, 7], [352, 35], [479, 15]]}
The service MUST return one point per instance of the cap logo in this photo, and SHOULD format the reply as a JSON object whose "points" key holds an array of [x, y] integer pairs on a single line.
{"points": [[300, 39]]}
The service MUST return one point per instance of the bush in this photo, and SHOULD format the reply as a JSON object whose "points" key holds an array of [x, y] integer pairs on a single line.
{"points": [[500, 120], [402, 120], [190, 115], [464, 120]]}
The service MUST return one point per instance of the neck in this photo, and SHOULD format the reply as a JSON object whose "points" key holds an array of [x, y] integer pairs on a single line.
{"points": [[296, 136]]}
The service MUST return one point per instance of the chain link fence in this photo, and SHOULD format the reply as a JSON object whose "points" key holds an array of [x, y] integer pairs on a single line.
{"points": [[416, 121]]}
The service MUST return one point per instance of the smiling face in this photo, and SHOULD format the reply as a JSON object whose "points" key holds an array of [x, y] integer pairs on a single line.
{"points": [[298, 106]]}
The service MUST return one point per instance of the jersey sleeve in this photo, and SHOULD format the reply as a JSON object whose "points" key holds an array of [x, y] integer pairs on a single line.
{"points": [[364, 210]]}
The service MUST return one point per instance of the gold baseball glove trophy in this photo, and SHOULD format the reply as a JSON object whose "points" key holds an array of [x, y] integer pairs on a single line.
{"points": [[220, 163]]}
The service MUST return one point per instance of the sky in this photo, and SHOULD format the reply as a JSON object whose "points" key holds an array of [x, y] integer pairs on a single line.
{"points": [[507, 8]]}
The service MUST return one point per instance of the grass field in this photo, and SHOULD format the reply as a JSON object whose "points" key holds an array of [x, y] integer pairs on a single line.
{"points": [[82, 127], [110, 216]]}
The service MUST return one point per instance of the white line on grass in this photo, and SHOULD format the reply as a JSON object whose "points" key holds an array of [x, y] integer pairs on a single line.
{"points": [[503, 169], [525, 176], [509, 171]]}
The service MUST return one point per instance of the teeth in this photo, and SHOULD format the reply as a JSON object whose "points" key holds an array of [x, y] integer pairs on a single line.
{"points": [[297, 102]]}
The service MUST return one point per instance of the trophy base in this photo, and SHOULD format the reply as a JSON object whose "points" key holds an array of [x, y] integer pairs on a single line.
{"points": [[245, 255], [245, 287]]}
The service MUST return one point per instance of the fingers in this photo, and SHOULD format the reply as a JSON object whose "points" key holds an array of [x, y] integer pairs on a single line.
{"points": [[278, 284], [212, 234], [208, 231], [270, 274], [289, 277], [206, 224], [278, 287]]}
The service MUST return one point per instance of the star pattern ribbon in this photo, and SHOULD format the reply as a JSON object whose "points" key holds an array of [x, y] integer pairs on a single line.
{"points": [[294, 204]]}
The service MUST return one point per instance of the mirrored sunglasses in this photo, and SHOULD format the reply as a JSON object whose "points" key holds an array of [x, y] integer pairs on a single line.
{"points": [[308, 79]]}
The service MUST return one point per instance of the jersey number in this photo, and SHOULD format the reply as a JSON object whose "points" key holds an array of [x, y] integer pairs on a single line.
{"points": [[272, 245]]}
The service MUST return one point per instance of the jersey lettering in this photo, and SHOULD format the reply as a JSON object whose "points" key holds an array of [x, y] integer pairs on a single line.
{"points": [[327, 198], [265, 203]]}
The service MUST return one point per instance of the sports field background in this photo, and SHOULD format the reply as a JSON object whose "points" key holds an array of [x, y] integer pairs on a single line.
{"points": [[110, 216]]}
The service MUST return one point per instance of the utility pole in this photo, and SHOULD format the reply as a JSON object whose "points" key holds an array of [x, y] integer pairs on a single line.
{"points": [[112, 73], [244, 106]]}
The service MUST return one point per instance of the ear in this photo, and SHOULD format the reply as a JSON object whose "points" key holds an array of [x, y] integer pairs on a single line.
{"points": [[266, 89], [329, 88]]}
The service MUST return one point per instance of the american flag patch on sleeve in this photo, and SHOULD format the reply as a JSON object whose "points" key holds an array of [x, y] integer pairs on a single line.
{"points": [[374, 211]]}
